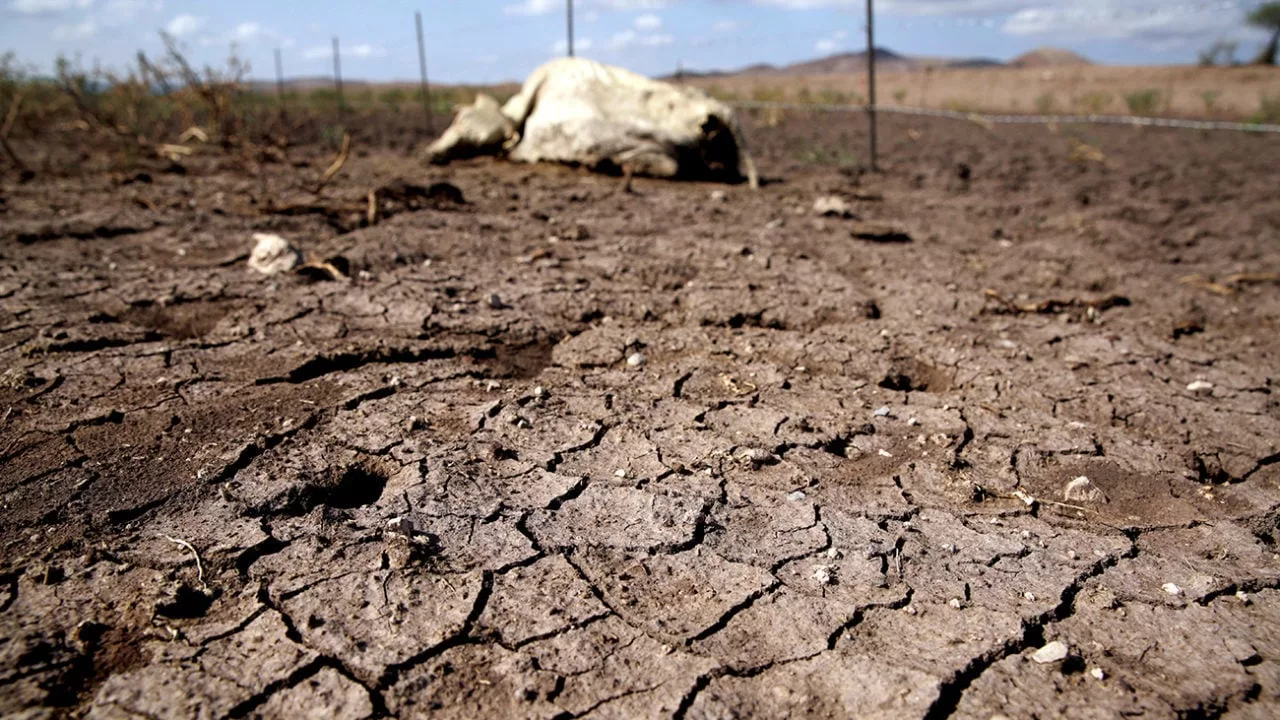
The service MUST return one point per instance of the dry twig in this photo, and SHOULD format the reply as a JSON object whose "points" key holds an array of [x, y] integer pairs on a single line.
{"points": [[199, 567], [337, 164], [1053, 307], [9, 121]]}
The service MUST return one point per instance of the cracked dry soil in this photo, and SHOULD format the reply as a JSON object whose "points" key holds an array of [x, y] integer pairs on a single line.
{"points": [[835, 489]]}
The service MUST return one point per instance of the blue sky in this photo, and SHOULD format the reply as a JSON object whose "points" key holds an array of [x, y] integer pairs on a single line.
{"points": [[493, 40]]}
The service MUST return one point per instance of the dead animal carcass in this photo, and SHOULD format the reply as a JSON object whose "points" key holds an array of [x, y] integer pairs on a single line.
{"points": [[605, 118]]}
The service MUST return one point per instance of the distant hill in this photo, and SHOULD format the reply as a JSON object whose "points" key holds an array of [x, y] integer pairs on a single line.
{"points": [[1049, 57], [849, 62]]}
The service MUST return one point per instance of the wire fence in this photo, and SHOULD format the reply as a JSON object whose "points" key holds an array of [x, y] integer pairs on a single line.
{"points": [[1134, 120]]}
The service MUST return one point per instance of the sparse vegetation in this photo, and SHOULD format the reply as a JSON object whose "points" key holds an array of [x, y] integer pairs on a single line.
{"points": [[1210, 99], [1046, 104], [1095, 102], [899, 96], [1268, 110], [1143, 102]]}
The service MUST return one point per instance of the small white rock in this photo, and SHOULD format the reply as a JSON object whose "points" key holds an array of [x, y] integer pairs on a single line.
{"points": [[620, 473], [541, 393], [834, 554], [881, 412], [1243, 598], [719, 195], [832, 206], [273, 254], [956, 603], [1055, 651], [1200, 387], [885, 453], [637, 360], [1098, 674], [912, 422], [1082, 490], [1030, 596], [1171, 588], [823, 574], [402, 526], [796, 496]]}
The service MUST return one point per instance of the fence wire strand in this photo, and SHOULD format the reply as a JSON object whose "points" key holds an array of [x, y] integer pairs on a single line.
{"points": [[1020, 119]]}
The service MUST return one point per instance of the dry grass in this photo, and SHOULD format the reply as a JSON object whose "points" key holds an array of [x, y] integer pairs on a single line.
{"points": [[1240, 92]]}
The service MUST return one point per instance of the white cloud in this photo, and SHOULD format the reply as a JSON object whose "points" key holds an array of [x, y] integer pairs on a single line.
{"points": [[628, 39], [585, 7], [1151, 23], [725, 26], [533, 7], [560, 47], [184, 25], [47, 7], [127, 9], [647, 23], [1158, 24], [248, 33], [359, 51], [591, 16], [84, 29], [834, 42], [365, 50]]}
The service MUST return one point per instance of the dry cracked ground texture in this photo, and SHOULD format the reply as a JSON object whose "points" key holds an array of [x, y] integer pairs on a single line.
{"points": [[835, 488]]}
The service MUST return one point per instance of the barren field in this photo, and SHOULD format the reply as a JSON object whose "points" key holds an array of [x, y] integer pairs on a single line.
{"points": [[560, 451], [1239, 93]]}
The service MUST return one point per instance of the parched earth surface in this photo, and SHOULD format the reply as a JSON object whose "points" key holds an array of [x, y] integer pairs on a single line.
{"points": [[843, 482]]}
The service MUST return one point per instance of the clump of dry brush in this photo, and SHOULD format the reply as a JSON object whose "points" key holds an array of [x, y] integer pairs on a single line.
{"points": [[153, 107]]}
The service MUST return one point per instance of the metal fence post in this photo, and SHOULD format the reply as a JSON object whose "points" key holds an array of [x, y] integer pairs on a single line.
{"points": [[871, 81], [570, 23], [422, 68], [337, 79], [279, 78]]}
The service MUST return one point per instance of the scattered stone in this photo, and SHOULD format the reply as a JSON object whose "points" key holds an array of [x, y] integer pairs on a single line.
{"points": [[1082, 490], [913, 422], [273, 254], [1243, 598], [495, 302], [759, 457], [1029, 596], [637, 360], [719, 196], [1171, 588], [881, 412], [400, 526], [832, 206], [541, 393], [620, 473], [796, 496], [1098, 674], [1055, 651], [834, 554], [885, 453], [823, 574], [1201, 387], [955, 603], [879, 233]]}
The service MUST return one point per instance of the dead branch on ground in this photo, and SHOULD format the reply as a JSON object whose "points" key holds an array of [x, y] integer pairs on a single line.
{"points": [[337, 163], [1055, 306]]}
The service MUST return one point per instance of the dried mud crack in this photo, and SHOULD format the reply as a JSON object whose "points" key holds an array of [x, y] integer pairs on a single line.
{"points": [[570, 453]]}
